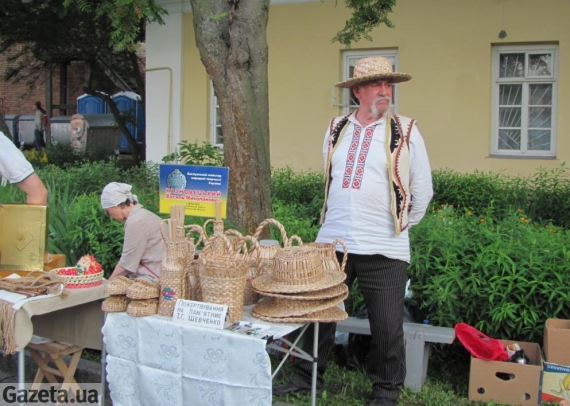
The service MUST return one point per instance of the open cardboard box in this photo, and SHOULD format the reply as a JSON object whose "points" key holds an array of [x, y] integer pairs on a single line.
{"points": [[53, 261], [557, 341], [507, 382], [555, 382]]}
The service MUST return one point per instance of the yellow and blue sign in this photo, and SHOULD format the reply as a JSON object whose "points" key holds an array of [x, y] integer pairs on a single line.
{"points": [[199, 188]]}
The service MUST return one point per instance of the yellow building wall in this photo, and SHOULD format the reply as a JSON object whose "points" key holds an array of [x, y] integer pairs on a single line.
{"points": [[446, 45]]}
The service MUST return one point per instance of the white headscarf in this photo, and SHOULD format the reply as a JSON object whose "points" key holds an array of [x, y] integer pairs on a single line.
{"points": [[116, 193]]}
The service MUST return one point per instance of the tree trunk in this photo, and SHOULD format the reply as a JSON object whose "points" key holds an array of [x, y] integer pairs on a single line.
{"points": [[231, 38]]}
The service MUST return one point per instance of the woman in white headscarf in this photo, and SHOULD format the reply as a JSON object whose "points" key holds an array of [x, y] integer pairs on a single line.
{"points": [[143, 246]]}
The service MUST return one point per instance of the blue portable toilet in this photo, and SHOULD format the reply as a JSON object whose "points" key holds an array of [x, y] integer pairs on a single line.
{"points": [[131, 102], [87, 104]]}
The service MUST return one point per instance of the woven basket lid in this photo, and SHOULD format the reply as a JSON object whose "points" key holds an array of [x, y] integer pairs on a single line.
{"points": [[279, 307], [327, 293], [332, 314], [297, 269]]}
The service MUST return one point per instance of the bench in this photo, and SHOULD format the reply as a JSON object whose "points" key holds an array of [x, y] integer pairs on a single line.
{"points": [[417, 337]]}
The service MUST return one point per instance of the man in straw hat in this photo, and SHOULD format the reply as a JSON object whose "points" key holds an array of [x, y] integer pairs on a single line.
{"points": [[375, 164]]}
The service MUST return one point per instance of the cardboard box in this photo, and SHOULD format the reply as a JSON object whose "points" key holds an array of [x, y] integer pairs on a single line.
{"points": [[23, 237], [507, 382], [555, 382], [557, 341]]}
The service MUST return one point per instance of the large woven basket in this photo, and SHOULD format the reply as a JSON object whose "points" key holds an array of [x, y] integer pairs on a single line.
{"points": [[224, 291], [79, 281], [223, 274]]}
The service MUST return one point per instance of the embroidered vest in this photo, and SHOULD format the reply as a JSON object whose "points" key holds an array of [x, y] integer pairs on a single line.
{"points": [[398, 129]]}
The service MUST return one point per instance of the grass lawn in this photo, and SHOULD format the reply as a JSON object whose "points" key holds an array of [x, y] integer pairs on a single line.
{"points": [[447, 385]]}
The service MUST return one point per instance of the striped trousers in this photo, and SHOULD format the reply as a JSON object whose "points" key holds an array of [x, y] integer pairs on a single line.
{"points": [[382, 282]]}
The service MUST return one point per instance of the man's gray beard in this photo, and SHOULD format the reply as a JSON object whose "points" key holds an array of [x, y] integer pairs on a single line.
{"points": [[374, 109]]}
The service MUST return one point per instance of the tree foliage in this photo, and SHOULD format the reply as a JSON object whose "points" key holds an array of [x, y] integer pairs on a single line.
{"points": [[41, 36], [366, 15]]}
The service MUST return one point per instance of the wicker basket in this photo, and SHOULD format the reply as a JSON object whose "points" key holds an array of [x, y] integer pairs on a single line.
{"points": [[193, 275], [327, 253], [173, 281], [143, 289], [224, 291], [140, 308], [118, 286], [79, 281], [117, 303], [223, 274]]}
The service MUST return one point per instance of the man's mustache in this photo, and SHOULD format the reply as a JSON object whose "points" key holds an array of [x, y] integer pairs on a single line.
{"points": [[381, 98]]}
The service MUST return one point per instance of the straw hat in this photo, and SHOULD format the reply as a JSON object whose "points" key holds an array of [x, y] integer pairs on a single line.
{"points": [[336, 290], [297, 269], [332, 314], [279, 307], [373, 68]]}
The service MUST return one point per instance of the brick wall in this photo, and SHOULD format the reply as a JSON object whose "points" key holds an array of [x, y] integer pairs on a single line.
{"points": [[18, 98]]}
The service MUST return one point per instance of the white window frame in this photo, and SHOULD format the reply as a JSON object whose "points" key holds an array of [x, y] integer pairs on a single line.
{"points": [[526, 81], [214, 109], [353, 55]]}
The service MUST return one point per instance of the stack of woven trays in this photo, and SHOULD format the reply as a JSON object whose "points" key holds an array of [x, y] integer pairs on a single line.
{"points": [[136, 297], [299, 289]]}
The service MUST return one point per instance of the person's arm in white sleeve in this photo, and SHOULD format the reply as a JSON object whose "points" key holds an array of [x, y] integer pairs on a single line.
{"points": [[421, 186]]}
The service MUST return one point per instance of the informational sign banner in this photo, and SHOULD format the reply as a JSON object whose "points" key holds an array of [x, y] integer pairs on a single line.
{"points": [[200, 314], [199, 188]]}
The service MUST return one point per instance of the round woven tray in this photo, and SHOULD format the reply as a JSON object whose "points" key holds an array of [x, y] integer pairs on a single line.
{"points": [[265, 283], [329, 315], [118, 286], [140, 308], [142, 289], [336, 290], [117, 303], [79, 281], [278, 307]]}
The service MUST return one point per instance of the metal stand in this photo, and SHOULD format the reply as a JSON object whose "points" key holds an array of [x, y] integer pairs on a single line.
{"points": [[298, 352]]}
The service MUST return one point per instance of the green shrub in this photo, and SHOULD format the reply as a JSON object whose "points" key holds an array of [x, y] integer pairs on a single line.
{"points": [[191, 153], [504, 276], [544, 196], [303, 189]]}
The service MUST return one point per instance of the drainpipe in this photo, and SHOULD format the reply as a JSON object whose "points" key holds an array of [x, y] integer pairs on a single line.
{"points": [[169, 101]]}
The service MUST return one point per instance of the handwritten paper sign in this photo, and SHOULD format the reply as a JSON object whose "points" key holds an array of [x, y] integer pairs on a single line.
{"points": [[200, 314]]}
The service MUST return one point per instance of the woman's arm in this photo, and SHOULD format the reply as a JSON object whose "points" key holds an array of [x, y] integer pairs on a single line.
{"points": [[118, 271]]}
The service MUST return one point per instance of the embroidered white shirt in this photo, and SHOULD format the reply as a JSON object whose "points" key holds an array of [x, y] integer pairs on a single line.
{"points": [[358, 205]]}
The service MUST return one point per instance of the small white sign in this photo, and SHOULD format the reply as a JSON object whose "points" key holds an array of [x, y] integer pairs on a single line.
{"points": [[200, 314]]}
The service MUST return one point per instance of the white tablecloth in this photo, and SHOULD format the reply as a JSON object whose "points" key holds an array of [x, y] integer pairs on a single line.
{"points": [[153, 361]]}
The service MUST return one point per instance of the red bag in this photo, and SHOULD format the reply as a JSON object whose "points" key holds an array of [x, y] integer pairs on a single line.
{"points": [[46, 121], [480, 345]]}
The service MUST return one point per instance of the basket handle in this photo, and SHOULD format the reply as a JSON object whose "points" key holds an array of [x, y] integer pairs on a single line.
{"points": [[345, 250], [218, 226], [276, 224], [254, 248], [195, 228], [227, 243], [294, 238]]}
